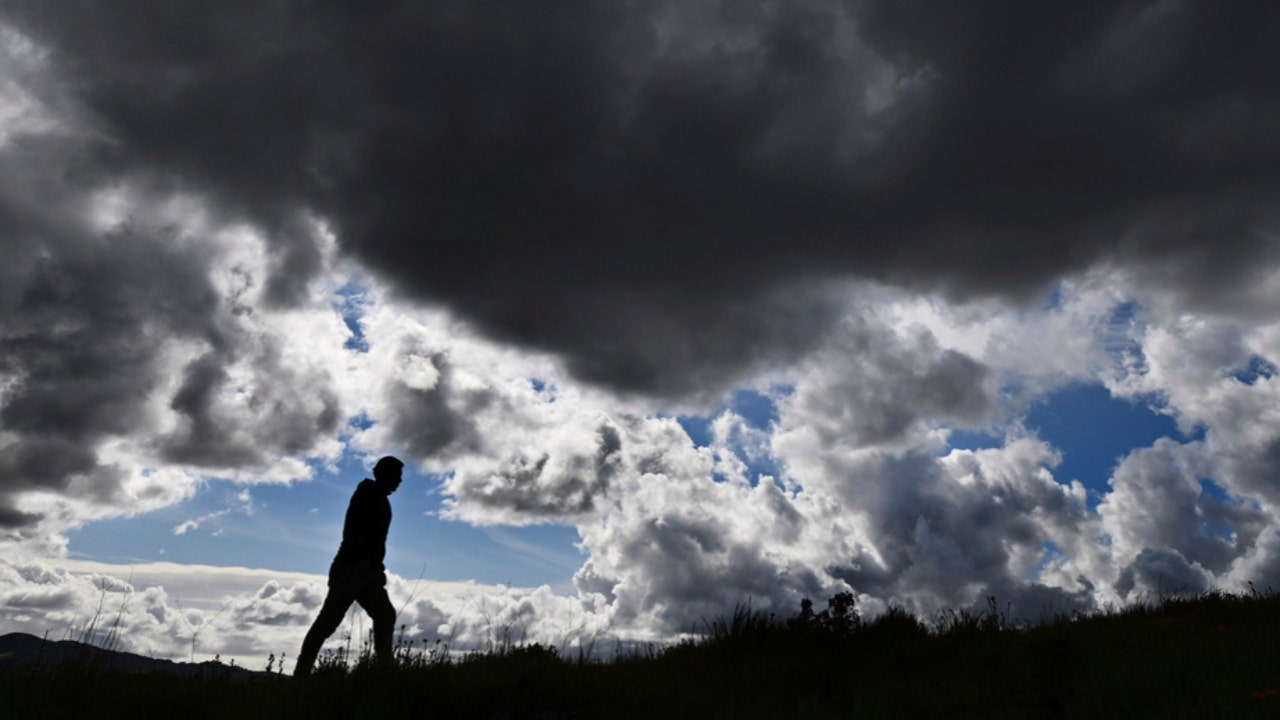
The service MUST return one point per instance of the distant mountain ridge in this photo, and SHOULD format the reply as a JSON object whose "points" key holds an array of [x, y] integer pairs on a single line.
{"points": [[21, 650]]}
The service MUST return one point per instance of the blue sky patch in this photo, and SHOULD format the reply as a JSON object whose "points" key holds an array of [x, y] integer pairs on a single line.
{"points": [[1052, 553], [1053, 299], [1093, 430], [972, 440], [758, 410], [1218, 495], [352, 306], [1259, 368], [299, 527], [1214, 490], [697, 427]]}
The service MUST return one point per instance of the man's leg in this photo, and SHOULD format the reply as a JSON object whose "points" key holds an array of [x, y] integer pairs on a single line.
{"points": [[330, 617], [375, 602]]}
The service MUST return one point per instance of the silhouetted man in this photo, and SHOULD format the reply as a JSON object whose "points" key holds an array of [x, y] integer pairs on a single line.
{"points": [[357, 573]]}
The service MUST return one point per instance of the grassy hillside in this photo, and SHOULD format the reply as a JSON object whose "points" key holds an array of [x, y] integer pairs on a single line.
{"points": [[1213, 656]]}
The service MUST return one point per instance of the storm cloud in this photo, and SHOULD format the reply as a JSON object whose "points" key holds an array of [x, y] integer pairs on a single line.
{"points": [[597, 179], [131, 341]]}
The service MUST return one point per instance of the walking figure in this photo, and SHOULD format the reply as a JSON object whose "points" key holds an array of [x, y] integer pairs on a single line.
{"points": [[357, 573]]}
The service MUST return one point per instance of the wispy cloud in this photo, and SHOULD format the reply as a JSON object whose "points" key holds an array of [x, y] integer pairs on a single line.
{"points": [[242, 503]]}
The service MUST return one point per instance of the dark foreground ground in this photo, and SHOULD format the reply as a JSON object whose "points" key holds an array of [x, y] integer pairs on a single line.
{"points": [[1215, 656]]}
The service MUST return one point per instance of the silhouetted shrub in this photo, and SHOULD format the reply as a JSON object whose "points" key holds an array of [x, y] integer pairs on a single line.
{"points": [[840, 617], [895, 624]]}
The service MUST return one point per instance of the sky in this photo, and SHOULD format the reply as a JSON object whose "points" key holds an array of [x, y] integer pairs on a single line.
{"points": [[667, 306]]}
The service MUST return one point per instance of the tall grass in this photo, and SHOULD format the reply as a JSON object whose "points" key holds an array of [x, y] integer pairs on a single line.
{"points": [[1212, 655]]}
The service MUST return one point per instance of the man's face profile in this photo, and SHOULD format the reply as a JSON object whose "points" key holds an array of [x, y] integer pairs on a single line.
{"points": [[387, 473], [392, 478]]}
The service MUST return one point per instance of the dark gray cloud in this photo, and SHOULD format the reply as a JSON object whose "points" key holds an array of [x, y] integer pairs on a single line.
{"points": [[937, 543], [547, 486], [95, 319], [614, 181], [74, 355], [871, 386], [11, 518], [438, 420], [301, 407], [1158, 573]]}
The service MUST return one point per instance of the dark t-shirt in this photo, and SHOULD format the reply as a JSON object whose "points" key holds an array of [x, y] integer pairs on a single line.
{"points": [[364, 534]]}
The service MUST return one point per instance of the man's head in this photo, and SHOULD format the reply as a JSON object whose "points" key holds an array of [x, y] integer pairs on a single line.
{"points": [[387, 473]]}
